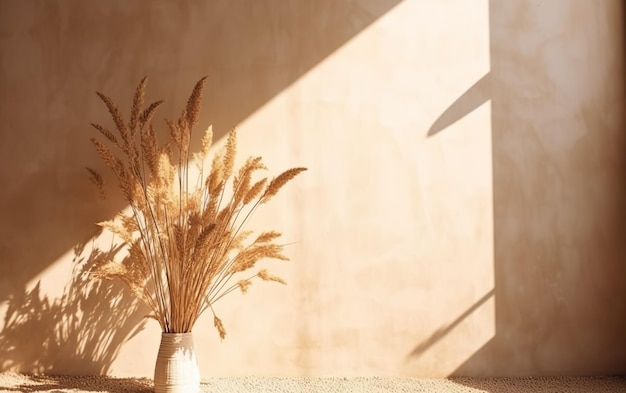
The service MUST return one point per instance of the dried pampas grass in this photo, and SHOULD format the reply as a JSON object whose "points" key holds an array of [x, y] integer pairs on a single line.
{"points": [[186, 244]]}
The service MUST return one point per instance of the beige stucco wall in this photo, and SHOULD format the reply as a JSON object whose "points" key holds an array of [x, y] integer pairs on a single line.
{"points": [[462, 213]]}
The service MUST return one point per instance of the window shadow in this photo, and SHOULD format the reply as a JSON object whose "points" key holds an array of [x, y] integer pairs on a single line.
{"points": [[559, 183], [443, 331], [472, 99]]}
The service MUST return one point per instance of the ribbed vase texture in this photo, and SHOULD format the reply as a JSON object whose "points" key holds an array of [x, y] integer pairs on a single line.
{"points": [[176, 369]]}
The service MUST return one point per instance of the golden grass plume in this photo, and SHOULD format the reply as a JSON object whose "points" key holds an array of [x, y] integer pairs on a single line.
{"points": [[186, 243]]}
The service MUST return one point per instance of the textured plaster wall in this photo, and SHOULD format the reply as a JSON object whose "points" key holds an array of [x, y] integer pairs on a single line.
{"points": [[559, 166], [462, 213]]}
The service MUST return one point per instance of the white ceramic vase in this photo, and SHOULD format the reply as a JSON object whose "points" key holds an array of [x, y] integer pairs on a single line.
{"points": [[176, 369]]}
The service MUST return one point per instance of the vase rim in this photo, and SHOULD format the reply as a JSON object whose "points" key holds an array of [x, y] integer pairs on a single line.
{"points": [[172, 333]]}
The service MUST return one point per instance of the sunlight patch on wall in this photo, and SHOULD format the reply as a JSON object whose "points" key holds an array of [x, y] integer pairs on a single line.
{"points": [[392, 229]]}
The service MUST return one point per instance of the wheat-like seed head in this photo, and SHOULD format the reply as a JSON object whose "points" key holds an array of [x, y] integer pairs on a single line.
{"points": [[266, 237], [117, 227], [248, 257], [137, 263], [129, 223], [128, 185], [238, 242], [192, 204], [254, 191], [108, 134], [201, 156], [220, 327], [149, 148], [203, 243], [165, 171], [137, 105], [241, 182], [243, 285], [229, 154], [207, 141], [107, 156], [146, 116], [118, 119], [265, 276], [175, 132], [192, 110], [282, 179], [108, 269], [185, 135], [215, 180]]}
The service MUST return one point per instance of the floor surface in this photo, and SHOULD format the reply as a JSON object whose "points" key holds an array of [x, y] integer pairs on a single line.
{"points": [[88, 384]]}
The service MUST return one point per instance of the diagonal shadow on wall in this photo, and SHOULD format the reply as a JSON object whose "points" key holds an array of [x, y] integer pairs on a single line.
{"points": [[559, 183], [55, 54]]}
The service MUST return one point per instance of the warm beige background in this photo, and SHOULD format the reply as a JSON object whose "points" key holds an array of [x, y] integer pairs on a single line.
{"points": [[464, 206]]}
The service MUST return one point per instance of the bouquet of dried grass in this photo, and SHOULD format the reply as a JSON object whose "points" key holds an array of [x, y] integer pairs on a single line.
{"points": [[186, 245]]}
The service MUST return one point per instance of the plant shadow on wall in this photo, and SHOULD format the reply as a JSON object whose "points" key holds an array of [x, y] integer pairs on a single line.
{"points": [[50, 383], [82, 329]]}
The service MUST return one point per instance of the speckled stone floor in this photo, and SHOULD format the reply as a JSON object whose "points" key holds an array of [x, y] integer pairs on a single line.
{"points": [[79, 384]]}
